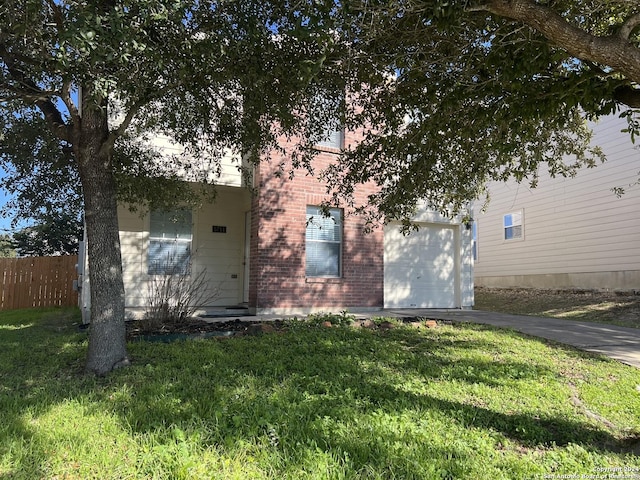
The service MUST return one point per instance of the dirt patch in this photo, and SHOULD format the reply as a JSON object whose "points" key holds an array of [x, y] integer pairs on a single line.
{"points": [[622, 309], [138, 330], [197, 328]]}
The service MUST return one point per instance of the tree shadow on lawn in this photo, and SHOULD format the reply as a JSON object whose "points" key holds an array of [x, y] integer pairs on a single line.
{"points": [[41, 352], [340, 373], [355, 395]]}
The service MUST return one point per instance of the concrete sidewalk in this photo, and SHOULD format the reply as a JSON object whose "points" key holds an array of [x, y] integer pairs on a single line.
{"points": [[620, 343]]}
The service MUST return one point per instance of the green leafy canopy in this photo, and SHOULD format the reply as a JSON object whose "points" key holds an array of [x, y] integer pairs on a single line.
{"points": [[104, 76], [55, 234], [478, 91]]}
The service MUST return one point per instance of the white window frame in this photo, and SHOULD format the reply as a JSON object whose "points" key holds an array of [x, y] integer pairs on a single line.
{"points": [[331, 131], [171, 235], [334, 139], [323, 233], [510, 223]]}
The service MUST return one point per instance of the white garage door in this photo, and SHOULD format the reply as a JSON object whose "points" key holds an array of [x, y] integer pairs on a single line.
{"points": [[420, 269]]}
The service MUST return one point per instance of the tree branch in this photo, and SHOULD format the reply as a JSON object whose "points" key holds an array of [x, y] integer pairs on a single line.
{"points": [[16, 93], [629, 26], [57, 14], [132, 112], [613, 51], [54, 118], [66, 98], [628, 95], [30, 91]]}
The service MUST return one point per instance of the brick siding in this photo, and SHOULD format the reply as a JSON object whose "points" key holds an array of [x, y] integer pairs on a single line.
{"points": [[278, 224]]}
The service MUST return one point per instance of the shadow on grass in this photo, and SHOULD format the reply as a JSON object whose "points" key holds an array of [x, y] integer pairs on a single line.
{"points": [[40, 351], [372, 402], [588, 306]]}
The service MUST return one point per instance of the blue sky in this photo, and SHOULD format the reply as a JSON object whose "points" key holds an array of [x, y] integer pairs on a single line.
{"points": [[5, 223]]}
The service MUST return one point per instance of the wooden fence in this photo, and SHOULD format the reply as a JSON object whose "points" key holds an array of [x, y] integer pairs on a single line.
{"points": [[38, 282]]}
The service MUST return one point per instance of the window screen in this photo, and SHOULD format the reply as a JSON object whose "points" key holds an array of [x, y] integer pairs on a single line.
{"points": [[513, 226], [323, 242], [169, 242]]}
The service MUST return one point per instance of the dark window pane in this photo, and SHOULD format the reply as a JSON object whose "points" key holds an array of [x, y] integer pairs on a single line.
{"points": [[169, 257], [323, 259]]}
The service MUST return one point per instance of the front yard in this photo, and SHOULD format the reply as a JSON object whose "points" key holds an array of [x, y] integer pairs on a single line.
{"points": [[453, 402]]}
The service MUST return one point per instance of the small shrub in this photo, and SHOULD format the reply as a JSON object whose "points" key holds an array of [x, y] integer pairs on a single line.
{"points": [[340, 319], [174, 298]]}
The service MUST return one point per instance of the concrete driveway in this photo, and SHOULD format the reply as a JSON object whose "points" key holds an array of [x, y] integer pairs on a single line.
{"points": [[619, 343]]}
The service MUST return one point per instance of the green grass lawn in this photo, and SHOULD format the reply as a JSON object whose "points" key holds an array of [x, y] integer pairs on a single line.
{"points": [[455, 402]]}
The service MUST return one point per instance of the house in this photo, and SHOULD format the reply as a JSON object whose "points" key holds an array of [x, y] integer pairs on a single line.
{"points": [[272, 251], [567, 233]]}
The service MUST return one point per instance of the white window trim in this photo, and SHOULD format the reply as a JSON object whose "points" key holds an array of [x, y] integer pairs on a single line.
{"points": [[520, 238], [340, 243], [164, 239], [475, 251]]}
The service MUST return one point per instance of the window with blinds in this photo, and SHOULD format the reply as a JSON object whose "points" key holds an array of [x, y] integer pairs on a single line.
{"points": [[332, 137], [325, 121], [169, 242], [323, 242], [512, 223]]}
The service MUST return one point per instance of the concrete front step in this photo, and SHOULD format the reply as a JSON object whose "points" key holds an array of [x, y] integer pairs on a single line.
{"points": [[226, 312]]}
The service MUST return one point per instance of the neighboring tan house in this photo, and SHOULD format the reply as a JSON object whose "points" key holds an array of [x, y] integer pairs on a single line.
{"points": [[273, 252], [567, 233]]}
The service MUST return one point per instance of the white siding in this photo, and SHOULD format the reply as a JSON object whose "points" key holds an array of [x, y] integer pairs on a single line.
{"points": [[575, 226], [220, 254], [202, 168]]}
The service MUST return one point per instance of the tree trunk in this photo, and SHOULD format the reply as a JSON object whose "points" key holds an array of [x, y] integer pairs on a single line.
{"points": [[107, 333]]}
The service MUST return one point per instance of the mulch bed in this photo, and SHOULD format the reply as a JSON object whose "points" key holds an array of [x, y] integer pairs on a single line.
{"points": [[140, 330]]}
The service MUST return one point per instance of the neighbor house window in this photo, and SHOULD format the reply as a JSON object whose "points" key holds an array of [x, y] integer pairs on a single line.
{"points": [[323, 242], [169, 242], [512, 223]]}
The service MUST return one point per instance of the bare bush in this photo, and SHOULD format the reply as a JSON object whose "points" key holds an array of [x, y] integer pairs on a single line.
{"points": [[174, 297]]}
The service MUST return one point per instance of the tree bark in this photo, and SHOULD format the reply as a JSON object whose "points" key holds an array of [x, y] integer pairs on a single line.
{"points": [[107, 333], [614, 51]]}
